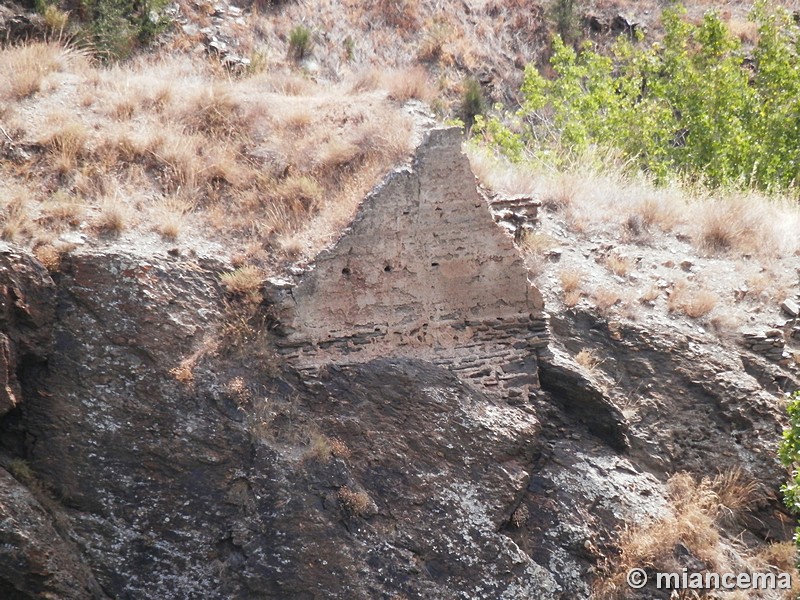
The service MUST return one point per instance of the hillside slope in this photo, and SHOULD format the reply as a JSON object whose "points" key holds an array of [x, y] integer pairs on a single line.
{"points": [[203, 396]]}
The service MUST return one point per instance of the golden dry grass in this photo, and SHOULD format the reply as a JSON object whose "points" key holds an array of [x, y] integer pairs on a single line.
{"points": [[699, 509], [114, 216], [572, 298], [66, 143], [340, 450], [49, 256], [183, 373], [588, 359], [597, 200], [618, 264], [571, 280], [536, 242], [244, 281], [251, 160], [170, 217], [23, 69], [651, 294], [605, 298], [408, 84], [693, 302], [355, 503]]}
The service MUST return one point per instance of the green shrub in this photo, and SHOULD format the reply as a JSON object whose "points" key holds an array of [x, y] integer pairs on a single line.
{"points": [[349, 48], [566, 22], [789, 454], [472, 103], [299, 42], [692, 106], [115, 28]]}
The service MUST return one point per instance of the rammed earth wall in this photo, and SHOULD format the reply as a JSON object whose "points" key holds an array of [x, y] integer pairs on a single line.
{"points": [[422, 271]]}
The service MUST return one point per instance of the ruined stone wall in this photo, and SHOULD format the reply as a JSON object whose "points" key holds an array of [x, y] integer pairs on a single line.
{"points": [[422, 271]]}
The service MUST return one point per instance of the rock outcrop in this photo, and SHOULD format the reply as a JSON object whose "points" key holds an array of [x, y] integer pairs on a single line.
{"points": [[424, 272], [26, 319], [400, 421]]}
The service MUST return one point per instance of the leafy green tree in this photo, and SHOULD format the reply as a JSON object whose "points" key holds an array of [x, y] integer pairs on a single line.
{"points": [[789, 454], [693, 105]]}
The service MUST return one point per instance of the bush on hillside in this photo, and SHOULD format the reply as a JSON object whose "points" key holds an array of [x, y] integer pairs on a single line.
{"points": [[694, 105], [789, 454], [115, 28], [112, 29]]}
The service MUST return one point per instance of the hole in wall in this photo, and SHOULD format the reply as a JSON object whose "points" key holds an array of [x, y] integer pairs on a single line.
{"points": [[387, 269], [434, 264], [346, 272]]}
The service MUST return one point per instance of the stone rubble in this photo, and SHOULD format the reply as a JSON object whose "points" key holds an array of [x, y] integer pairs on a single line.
{"points": [[770, 343]]}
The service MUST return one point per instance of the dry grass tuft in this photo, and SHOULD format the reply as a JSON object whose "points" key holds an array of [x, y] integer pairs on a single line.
{"points": [[24, 68], [49, 256], [721, 228], [619, 265], [571, 280], [114, 216], [400, 14], [299, 192], [781, 556], [340, 450], [659, 209], [572, 298], [355, 503], [66, 144], [736, 494], [571, 285], [588, 359], [170, 217], [693, 526], [536, 242], [14, 220], [319, 448], [562, 191], [61, 210], [692, 303], [500, 176], [214, 111], [605, 298], [183, 373], [650, 295], [365, 80], [244, 281], [408, 84]]}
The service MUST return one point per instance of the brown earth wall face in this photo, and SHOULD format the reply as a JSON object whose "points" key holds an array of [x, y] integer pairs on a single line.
{"points": [[423, 271]]}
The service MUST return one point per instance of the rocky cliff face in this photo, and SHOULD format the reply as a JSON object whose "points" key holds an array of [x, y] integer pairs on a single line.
{"points": [[161, 440]]}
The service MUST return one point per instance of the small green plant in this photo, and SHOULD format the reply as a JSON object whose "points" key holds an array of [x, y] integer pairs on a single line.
{"points": [[472, 102], [258, 62], [55, 19], [115, 28], [20, 469], [319, 448], [299, 42], [789, 453], [349, 48], [566, 22]]}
